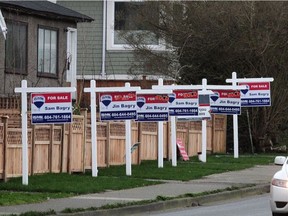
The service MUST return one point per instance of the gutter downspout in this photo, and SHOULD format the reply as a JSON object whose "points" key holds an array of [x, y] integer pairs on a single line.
{"points": [[103, 72]]}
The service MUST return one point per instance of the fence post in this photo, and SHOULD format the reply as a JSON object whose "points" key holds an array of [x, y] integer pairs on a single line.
{"points": [[70, 148], [51, 147], [168, 144], [63, 140], [5, 146], [33, 148], [107, 148], [84, 113], [186, 144], [140, 141], [213, 132]]}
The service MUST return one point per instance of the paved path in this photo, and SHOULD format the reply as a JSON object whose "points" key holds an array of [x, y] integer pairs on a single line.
{"points": [[258, 175]]}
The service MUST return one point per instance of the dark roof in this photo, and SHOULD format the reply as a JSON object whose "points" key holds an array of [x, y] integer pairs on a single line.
{"points": [[46, 9]]}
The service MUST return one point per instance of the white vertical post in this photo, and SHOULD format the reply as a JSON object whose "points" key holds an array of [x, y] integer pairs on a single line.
{"points": [[234, 82], [24, 90], [93, 128], [204, 141], [204, 128], [173, 140], [235, 122], [160, 136], [24, 133], [128, 143], [235, 136]]}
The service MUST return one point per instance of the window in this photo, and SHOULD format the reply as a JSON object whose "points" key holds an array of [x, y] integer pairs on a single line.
{"points": [[16, 48], [121, 18], [3, 27], [47, 51]]}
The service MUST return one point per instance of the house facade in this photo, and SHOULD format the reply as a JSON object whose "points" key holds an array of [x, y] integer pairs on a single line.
{"points": [[102, 54], [40, 45]]}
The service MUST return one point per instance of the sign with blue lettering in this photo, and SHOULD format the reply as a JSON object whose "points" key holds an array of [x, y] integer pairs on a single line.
{"points": [[117, 106], [256, 95], [226, 102], [51, 108], [183, 103], [152, 107]]}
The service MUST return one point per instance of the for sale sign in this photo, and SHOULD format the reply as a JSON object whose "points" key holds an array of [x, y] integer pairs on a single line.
{"points": [[257, 94], [183, 103], [226, 102], [117, 106], [152, 107], [51, 108], [204, 107]]}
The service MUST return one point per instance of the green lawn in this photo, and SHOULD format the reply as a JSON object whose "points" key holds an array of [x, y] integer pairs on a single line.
{"points": [[49, 186]]}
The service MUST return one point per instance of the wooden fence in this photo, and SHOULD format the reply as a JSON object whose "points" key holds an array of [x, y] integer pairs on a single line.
{"points": [[67, 148]]}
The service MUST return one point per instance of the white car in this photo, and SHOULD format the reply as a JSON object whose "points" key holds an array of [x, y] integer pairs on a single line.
{"points": [[279, 188]]}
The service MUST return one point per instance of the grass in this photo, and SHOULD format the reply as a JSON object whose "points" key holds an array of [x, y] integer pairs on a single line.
{"points": [[192, 169], [18, 198], [49, 186]]}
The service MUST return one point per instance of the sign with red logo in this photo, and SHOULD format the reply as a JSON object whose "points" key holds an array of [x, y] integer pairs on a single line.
{"points": [[226, 102], [257, 94], [51, 108], [152, 107], [183, 103], [117, 106]]}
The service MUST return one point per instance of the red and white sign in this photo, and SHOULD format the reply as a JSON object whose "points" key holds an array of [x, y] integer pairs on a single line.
{"points": [[226, 102], [152, 107], [117, 105], [182, 149], [257, 94], [51, 108], [183, 103]]}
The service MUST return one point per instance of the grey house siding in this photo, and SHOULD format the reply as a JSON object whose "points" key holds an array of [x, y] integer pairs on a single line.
{"points": [[90, 43], [10, 81]]}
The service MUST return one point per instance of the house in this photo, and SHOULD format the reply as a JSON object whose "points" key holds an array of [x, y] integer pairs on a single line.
{"points": [[102, 54], [40, 44]]}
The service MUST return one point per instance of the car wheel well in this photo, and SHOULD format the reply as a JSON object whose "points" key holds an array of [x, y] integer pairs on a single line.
{"points": [[279, 214]]}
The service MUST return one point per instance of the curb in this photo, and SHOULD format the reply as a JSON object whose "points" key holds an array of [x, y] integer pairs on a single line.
{"points": [[178, 203]]}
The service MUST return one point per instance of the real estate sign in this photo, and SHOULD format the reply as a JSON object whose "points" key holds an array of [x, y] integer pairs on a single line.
{"points": [[257, 94], [183, 103], [226, 102], [152, 107], [51, 108], [117, 106]]}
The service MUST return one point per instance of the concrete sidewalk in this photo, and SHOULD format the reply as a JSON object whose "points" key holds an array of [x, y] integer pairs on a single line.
{"points": [[259, 176]]}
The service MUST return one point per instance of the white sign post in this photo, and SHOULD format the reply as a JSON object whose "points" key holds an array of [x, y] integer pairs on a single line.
{"points": [[160, 137], [93, 89], [128, 142], [204, 89], [173, 118], [24, 90], [217, 87], [234, 82], [160, 114]]}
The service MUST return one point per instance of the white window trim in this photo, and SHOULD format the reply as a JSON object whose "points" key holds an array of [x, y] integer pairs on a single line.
{"points": [[45, 28], [72, 58], [3, 27], [110, 31]]}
